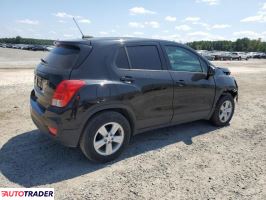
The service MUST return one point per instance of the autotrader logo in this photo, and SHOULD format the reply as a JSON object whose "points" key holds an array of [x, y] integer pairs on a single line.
{"points": [[27, 193]]}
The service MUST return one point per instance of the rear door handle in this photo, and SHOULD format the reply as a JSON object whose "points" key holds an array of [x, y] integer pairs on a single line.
{"points": [[127, 79], [180, 83]]}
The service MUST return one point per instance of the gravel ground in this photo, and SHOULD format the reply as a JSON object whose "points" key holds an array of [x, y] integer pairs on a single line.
{"points": [[190, 161]]}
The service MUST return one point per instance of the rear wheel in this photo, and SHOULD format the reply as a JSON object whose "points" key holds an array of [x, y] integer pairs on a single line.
{"points": [[105, 137], [224, 110]]}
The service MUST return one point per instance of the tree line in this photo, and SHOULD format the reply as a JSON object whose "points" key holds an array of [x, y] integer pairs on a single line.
{"points": [[244, 44], [20, 40]]}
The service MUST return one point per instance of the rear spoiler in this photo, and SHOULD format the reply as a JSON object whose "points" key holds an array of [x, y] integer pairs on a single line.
{"points": [[72, 42]]}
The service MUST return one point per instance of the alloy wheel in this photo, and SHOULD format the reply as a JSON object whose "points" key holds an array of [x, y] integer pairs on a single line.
{"points": [[108, 139], [225, 111]]}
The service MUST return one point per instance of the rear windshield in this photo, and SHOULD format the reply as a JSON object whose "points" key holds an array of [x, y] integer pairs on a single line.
{"points": [[63, 57]]}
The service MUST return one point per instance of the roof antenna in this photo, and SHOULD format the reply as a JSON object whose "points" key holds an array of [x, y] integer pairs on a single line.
{"points": [[78, 28]]}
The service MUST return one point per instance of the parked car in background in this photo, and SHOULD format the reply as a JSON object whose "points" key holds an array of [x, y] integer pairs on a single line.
{"points": [[241, 55], [256, 55], [259, 55], [27, 47], [206, 54], [39, 48], [244, 56], [97, 93], [9, 45], [49, 48], [235, 56], [20, 46], [222, 56], [15, 46]]}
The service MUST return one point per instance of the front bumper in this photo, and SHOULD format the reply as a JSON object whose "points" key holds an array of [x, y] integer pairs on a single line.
{"points": [[43, 118]]}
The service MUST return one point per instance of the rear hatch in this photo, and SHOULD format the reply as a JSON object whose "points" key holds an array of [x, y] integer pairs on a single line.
{"points": [[57, 66]]}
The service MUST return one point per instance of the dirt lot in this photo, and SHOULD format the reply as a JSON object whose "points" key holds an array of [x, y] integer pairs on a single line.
{"points": [[190, 161]]}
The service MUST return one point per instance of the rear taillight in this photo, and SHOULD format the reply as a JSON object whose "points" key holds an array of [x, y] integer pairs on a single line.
{"points": [[53, 131], [65, 90]]}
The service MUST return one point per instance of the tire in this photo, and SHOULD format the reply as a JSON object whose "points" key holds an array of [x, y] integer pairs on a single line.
{"points": [[100, 125], [220, 118]]}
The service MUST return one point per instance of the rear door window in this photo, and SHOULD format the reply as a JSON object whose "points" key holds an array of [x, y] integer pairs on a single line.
{"points": [[144, 57], [62, 57], [121, 60]]}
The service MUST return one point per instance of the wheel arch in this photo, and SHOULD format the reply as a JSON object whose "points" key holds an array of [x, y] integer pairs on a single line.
{"points": [[123, 110], [233, 93], [226, 94]]}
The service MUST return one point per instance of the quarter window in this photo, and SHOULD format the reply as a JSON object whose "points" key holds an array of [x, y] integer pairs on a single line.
{"points": [[182, 59], [144, 57]]}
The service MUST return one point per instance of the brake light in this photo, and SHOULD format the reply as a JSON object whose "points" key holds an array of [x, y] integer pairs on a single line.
{"points": [[65, 90], [52, 130]]}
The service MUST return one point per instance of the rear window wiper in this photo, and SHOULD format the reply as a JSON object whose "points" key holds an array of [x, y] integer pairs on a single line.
{"points": [[44, 61]]}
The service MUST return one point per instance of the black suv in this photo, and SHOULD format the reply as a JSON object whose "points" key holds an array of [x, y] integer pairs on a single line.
{"points": [[96, 93]]}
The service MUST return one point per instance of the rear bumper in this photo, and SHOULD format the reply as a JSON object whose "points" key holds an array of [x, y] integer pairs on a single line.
{"points": [[43, 118]]}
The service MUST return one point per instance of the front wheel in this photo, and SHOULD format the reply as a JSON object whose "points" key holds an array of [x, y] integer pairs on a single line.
{"points": [[105, 137], [224, 110]]}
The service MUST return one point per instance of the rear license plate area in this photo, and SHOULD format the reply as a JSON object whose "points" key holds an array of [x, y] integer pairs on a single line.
{"points": [[38, 82]]}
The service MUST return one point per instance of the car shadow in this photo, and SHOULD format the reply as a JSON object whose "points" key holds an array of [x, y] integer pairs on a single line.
{"points": [[32, 159]]}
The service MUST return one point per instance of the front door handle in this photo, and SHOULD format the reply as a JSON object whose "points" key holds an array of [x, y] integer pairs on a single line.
{"points": [[127, 79], [180, 83]]}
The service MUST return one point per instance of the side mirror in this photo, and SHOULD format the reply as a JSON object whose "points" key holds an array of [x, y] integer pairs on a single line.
{"points": [[211, 72]]}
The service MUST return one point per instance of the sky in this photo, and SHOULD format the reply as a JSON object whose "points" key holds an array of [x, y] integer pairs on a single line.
{"points": [[178, 20]]}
